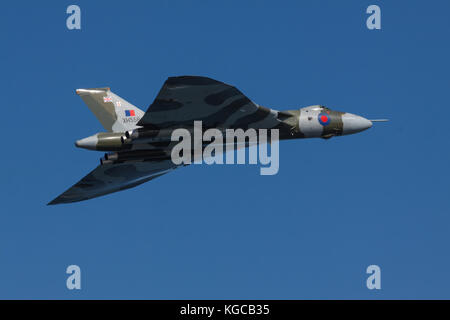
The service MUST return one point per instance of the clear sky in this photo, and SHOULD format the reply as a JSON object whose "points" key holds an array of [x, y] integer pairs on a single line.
{"points": [[335, 207]]}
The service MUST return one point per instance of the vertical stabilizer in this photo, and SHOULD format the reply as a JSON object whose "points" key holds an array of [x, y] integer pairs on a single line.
{"points": [[114, 113]]}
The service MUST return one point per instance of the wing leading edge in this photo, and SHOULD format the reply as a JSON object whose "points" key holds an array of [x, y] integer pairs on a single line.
{"points": [[109, 178], [185, 99]]}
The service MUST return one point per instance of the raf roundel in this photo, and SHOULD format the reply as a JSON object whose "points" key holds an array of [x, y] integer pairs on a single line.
{"points": [[324, 119]]}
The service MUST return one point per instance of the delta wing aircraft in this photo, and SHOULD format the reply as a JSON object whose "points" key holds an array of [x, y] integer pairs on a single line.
{"points": [[139, 144]]}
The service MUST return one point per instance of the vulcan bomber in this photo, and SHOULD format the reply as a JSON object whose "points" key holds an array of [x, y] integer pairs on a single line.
{"points": [[138, 144]]}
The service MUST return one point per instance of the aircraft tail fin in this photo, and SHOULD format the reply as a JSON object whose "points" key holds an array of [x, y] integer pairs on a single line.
{"points": [[114, 113]]}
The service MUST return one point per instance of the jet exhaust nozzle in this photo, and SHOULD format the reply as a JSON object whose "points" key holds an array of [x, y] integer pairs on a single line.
{"points": [[149, 134], [104, 161], [142, 155], [141, 133], [111, 156]]}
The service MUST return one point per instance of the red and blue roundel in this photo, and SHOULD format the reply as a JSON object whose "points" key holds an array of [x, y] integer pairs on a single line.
{"points": [[324, 119]]}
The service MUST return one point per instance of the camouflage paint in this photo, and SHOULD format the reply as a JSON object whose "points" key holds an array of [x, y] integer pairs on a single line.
{"points": [[142, 145]]}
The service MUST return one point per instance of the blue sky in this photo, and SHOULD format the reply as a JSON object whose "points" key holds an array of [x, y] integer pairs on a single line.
{"points": [[212, 232]]}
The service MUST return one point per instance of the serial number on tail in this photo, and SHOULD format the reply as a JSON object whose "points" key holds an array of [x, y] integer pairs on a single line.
{"points": [[131, 119]]}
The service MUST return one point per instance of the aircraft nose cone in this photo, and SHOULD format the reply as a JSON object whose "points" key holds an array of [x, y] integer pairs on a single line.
{"points": [[353, 123]]}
